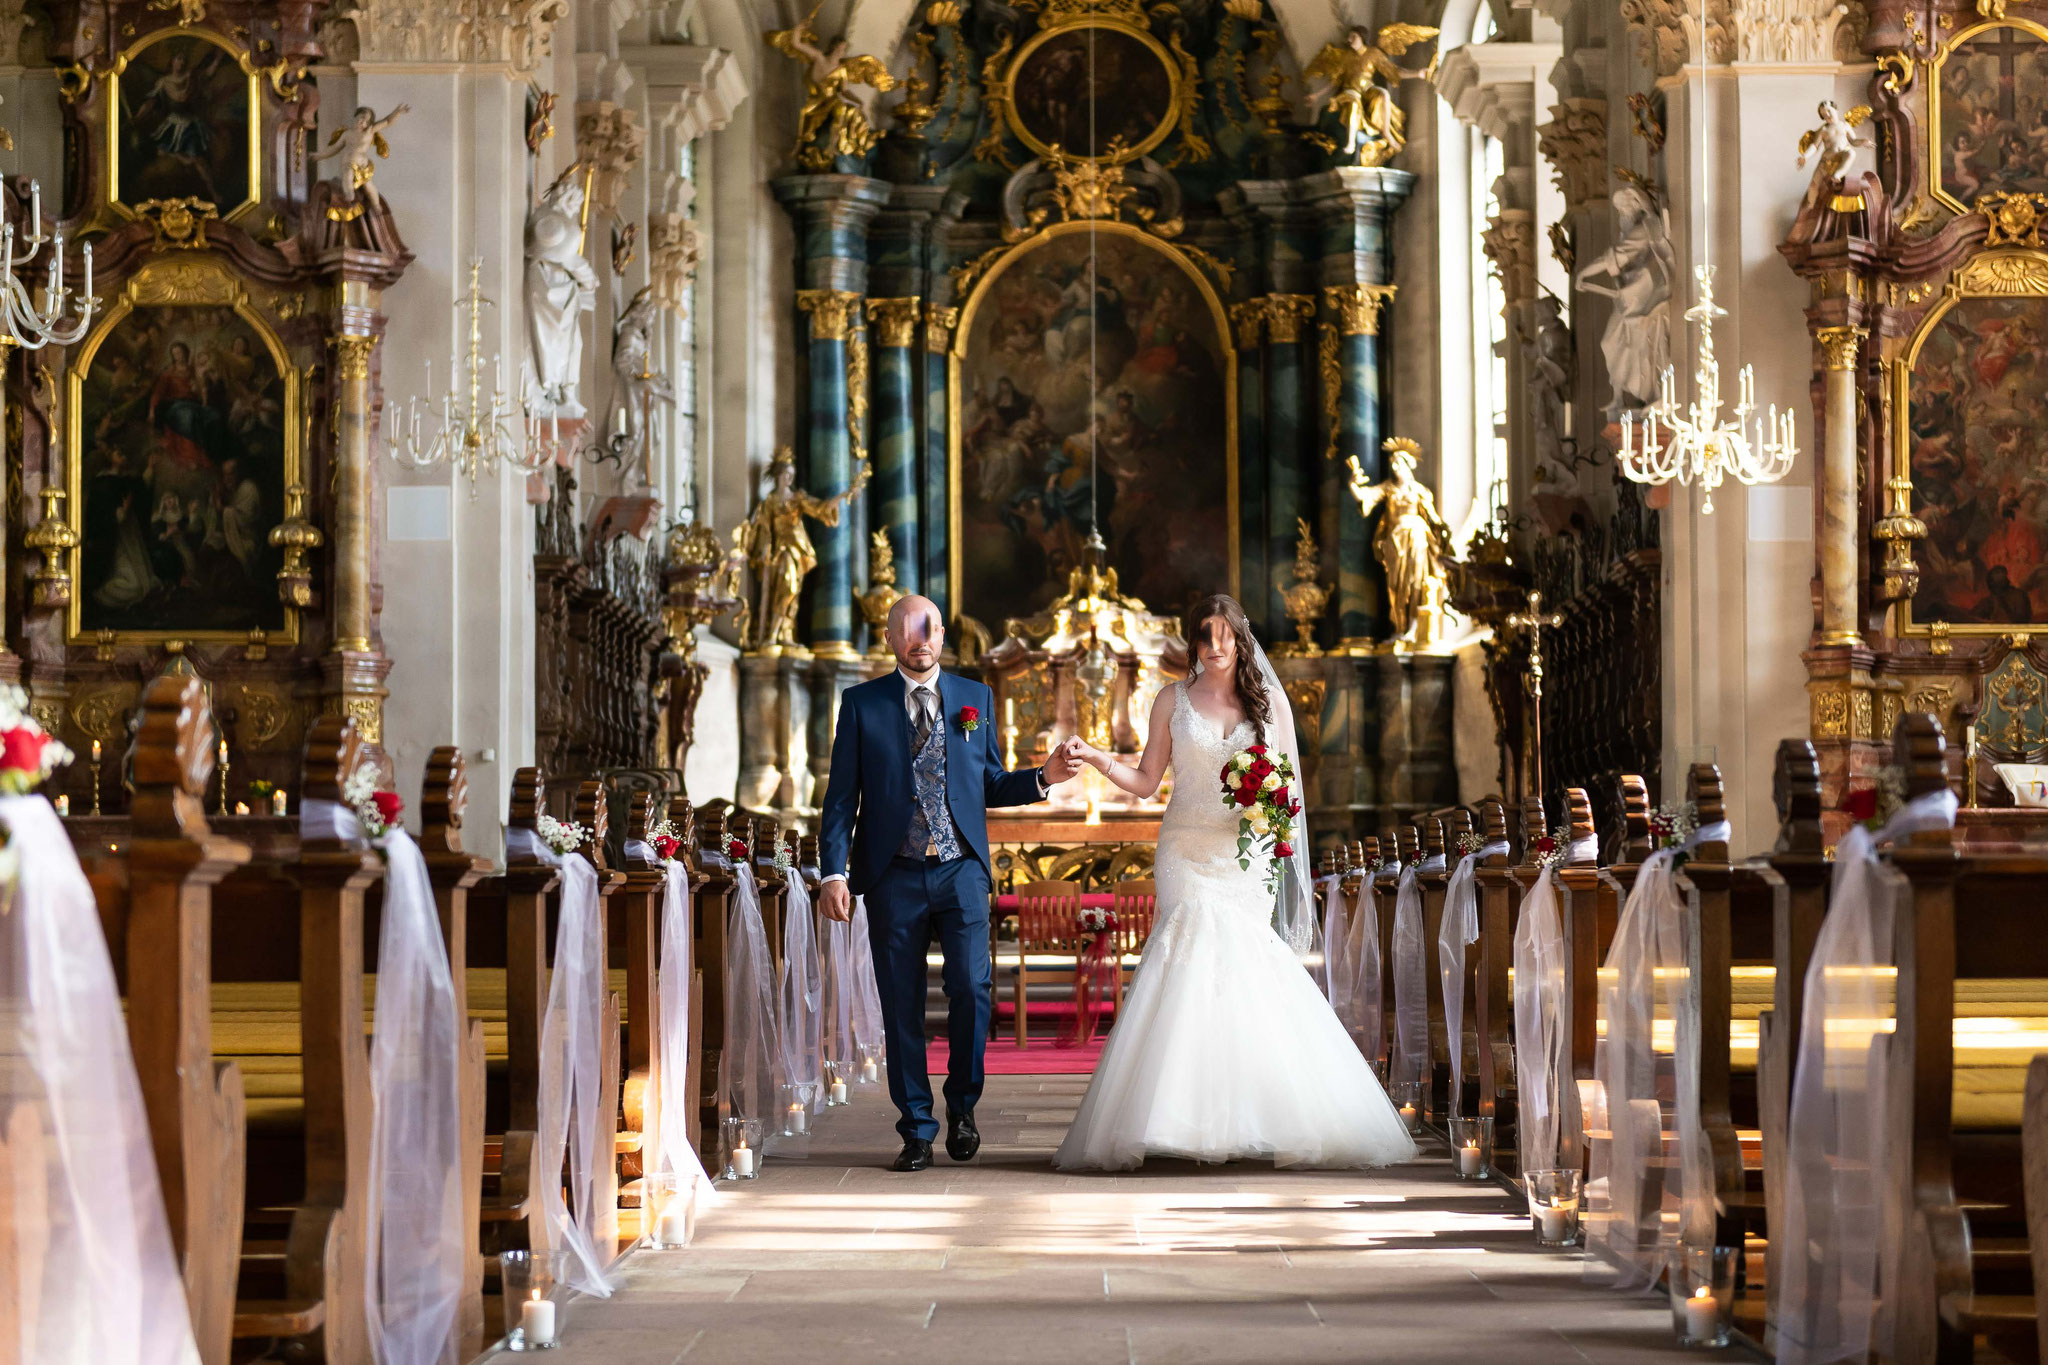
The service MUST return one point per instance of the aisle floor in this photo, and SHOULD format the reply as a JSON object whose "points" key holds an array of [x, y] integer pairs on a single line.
{"points": [[829, 1257]]}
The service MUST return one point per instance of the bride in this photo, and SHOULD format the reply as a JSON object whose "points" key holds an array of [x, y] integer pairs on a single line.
{"points": [[1224, 1048]]}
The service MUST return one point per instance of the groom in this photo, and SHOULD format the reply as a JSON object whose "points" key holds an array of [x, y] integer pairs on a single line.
{"points": [[915, 766]]}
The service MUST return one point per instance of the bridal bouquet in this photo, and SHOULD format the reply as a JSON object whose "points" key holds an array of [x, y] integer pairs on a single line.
{"points": [[1261, 785]]}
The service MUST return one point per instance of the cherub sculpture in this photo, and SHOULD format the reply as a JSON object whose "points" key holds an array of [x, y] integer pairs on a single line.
{"points": [[1412, 544], [1350, 76], [833, 123], [1834, 144], [353, 144], [779, 551]]}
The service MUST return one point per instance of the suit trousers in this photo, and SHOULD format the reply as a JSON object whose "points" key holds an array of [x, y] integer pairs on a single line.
{"points": [[915, 901]]}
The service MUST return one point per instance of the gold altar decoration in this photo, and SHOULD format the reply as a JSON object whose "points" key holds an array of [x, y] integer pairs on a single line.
{"points": [[698, 585], [180, 84], [1412, 545], [353, 144], [296, 537], [1375, 130], [1535, 620], [1896, 531], [882, 593], [832, 122], [2013, 218], [1937, 158], [1061, 22], [51, 537], [1305, 598], [778, 548]]}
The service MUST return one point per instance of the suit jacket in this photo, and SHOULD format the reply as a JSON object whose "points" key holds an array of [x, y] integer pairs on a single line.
{"points": [[870, 793]]}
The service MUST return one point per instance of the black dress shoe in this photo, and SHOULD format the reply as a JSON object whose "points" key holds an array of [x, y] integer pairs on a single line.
{"points": [[915, 1156], [963, 1139]]}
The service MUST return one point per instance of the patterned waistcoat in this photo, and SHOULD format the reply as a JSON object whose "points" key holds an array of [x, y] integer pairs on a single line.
{"points": [[931, 822]]}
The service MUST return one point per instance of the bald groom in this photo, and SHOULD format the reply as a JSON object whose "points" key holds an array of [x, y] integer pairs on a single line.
{"points": [[915, 768]]}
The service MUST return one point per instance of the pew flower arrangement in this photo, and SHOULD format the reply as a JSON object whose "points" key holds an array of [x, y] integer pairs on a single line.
{"points": [[782, 861], [736, 849], [1470, 842], [563, 837], [28, 754], [664, 839], [1096, 920], [1260, 784], [1873, 807], [1550, 854], [377, 811], [1673, 823]]}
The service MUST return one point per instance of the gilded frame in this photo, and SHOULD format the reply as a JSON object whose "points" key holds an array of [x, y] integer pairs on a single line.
{"points": [[179, 281], [110, 199], [1934, 64], [1997, 274], [956, 587], [1174, 76]]}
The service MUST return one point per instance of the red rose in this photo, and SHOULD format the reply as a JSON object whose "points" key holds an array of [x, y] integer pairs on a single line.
{"points": [[736, 848], [1283, 850], [1294, 809], [23, 748], [389, 806], [1224, 776], [969, 714], [1547, 844], [1858, 805], [1280, 798], [665, 846], [1259, 770], [1256, 749], [1246, 795]]}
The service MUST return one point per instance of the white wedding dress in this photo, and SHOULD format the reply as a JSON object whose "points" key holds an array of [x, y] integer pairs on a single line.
{"points": [[1225, 1048]]}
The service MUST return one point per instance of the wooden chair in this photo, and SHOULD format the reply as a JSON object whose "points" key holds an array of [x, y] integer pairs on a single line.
{"points": [[1047, 924], [1136, 906]]}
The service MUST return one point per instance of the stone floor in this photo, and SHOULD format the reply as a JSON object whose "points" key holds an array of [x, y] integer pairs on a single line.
{"points": [[829, 1257]]}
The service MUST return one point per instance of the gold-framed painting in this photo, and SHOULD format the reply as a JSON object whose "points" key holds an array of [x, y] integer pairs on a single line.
{"points": [[1972, 389], [184, 121], [182, 433], [1987, 113], [1091, 327], [1096, 89]]}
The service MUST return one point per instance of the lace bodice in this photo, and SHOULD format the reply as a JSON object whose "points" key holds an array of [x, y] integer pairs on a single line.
{"points": [[1198, 836]]}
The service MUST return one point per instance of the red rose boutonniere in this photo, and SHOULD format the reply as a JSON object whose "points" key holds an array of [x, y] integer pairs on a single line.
{"points": [[970, 719]]}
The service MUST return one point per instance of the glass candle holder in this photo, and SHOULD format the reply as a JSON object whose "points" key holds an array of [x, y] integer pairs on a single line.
{"points": [[795, 1114], [1554, 1197], [278, 800], [1702, 1283], [1472, 1148], [669, 1205], [1407, 1097], [530, 1313], [740, 1140], [870, 1063], [837, 1092]]}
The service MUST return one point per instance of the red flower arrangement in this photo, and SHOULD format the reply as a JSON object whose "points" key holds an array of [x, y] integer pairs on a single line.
{"points": [[970, 719], [1860, 804], [28, 755], [736, 849], [665, 846], [1260, 784]]}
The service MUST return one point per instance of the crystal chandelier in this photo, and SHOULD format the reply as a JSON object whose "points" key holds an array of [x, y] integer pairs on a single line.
{"points": [[1693, 444], [22, 323], [475, 432]]}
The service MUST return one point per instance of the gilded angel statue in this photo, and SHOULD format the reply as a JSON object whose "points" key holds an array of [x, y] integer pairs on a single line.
{"points": [[778, 549], [1413, 545], [1834, 144], [1350, 86], [354, 143], [833, 123]]}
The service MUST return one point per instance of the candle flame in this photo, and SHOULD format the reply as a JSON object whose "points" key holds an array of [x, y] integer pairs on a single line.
{"points": [[1703, 1293]]}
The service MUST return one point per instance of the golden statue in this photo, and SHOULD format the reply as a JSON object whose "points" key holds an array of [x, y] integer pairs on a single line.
{"points": [[1350, 76], [778, 549], [882, 592], [1305, 597], [833, 123], [1412, 544], [354, 143]]}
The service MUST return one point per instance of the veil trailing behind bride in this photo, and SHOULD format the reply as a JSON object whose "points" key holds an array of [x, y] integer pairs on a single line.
{"points": [[1225, 1048]]}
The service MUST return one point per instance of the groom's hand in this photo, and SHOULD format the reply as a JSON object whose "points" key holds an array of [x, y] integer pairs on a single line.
{"points": [[1063, 764], [834, 901]]}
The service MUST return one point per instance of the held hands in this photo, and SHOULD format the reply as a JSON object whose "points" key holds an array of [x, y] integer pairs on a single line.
{"points": [[1064, 762], [835, 902]]}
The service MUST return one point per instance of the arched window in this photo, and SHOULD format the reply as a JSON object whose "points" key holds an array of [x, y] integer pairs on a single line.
{"points": [[1473, 327]]}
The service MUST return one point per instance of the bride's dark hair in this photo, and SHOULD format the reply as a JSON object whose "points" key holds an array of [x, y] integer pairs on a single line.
{"points": [[1251, 687]]}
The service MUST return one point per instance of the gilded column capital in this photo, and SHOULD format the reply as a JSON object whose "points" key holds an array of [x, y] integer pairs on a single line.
{"points": [[832, 312], [895, 321], [939, 321], [1249, 320], [1840, 344], [1357, 307], [352, 356], [1284, 315]]}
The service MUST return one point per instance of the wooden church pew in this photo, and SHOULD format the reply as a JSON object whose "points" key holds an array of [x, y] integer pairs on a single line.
{"points": [[1522, 876], [592, 812], [1586, 912], [713, 884], [1492, 1008], [1456, 824], [1591, 924], [641, 899], [1437, 1076]]}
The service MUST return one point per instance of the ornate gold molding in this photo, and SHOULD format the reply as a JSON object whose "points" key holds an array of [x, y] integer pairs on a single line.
{"points": [[2004, 272], [1333, 385], [939, 321], [1357, 307], [894, 320], [352, 356], [857, 394], [1248, 320], [2012, 218], [832, 312], [1575, 144], [1841, 345], [1284, 315]]}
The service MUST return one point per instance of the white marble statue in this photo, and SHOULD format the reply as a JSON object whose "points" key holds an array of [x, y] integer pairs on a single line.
{"points": [[560, 288], [1549, 353], [635, 382], [1637, 272]]}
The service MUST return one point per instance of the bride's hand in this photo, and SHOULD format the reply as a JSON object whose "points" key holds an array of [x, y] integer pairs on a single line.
{"points": [[1090, 755]]}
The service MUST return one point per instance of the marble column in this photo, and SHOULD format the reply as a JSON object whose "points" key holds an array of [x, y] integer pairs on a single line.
{"points": [[1352, 338], [356, 667], [1288, 428], [939, 321], [1838, 557], [1258, 575], [894, 493]]}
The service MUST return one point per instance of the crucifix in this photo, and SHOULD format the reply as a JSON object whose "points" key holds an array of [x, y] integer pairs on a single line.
{"points": [[1534, 620]]}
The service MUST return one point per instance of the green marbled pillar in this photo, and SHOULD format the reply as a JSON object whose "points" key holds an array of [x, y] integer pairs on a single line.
{"points": [[1254, 567], [1289, 427], [938, 456], [894, 493]]}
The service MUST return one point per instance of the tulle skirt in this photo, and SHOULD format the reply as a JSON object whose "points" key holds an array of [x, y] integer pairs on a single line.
{"points": [[1226, 1050]]}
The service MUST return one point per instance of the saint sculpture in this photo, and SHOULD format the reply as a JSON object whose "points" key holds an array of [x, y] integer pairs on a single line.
{"points": [[832, 123], [1374, 128], [1412, 544], [778, 548], [560, 288]]}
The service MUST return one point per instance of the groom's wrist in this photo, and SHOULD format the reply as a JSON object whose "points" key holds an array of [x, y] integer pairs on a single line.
{"points": [[832, 877]]}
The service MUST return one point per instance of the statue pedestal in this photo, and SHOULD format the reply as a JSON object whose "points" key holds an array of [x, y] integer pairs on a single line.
{"points": [[775, 715], [828, 678], [1416, 770], [1376, 737]]}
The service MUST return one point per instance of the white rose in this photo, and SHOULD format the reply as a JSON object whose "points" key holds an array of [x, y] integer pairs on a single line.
{"points": [[1242, 761], [1258, 821], [1233, 779], [1271, 782]]}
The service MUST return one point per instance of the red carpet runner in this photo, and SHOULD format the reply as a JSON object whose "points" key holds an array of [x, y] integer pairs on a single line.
{"points": [[1042, 1058]]}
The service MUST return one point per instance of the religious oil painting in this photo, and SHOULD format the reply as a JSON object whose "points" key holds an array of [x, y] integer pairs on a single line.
{"points": [[183, 125], [1085, 87], [1978, 450], [1993, 129], [1092, 393], [181, 438]]}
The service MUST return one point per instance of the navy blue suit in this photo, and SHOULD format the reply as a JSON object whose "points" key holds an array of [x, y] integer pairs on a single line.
{"points": [[868, 802]]}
